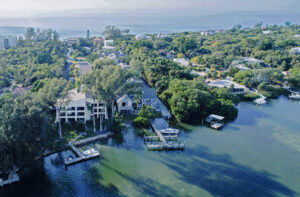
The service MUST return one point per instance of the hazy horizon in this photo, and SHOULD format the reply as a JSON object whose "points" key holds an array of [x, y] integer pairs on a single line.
{"points": [[53, 8]]}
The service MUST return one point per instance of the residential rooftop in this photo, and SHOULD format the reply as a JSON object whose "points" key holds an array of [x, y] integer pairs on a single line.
{"points": [[83, 67]]}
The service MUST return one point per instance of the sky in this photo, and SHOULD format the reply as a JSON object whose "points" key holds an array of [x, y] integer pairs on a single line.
{"points": [[27, 8]]}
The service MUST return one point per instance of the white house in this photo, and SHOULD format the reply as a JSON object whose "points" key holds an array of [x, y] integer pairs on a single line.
{"points": [[127, 104], [7, 42], [108, 42], [234, 87], [78, 107], [124, 65], [296, 50], [207, 33], [242, 67], [267, 32], [114, 57], [142, 37], [181, 61]]}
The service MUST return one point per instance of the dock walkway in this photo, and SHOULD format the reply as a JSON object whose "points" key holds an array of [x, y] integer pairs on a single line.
{"points": [[163, 144], [88, 154]]}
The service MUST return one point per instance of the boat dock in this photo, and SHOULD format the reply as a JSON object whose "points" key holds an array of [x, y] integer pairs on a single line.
{"points": [[165, 142], [85, 155], [93, 139], [81, 156], [156, 138], [216, 121], [12, 178]]}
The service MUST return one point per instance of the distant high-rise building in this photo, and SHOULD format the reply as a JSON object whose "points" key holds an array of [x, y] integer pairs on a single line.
{"points": [[88, 34], [7, 42]]}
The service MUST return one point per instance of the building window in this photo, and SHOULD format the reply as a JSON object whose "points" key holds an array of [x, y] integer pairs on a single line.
{"points": [[63, 114], [95, 110], [80, 108], [80, 114], [123, 104], [71, 114], [71, 109]]}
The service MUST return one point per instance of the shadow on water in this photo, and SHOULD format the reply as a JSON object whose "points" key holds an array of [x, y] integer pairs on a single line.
{"points": [[248, 115], [221, 176], [145, 185], [32, 177]]}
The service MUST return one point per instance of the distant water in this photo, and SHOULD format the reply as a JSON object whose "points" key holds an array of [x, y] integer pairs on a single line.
{"points": [[77, 26]]}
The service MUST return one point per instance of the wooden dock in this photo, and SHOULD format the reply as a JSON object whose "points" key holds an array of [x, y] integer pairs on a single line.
{"points": [[156, 138], [12, 178], [92, 139], [81, 156], [85, 155], [164, 144]]}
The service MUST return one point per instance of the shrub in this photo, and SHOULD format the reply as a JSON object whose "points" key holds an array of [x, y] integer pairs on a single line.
{"points": [[141, 122]]}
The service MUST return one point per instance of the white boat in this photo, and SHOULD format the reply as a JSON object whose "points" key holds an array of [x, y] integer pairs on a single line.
{"points": [[261, 100], [170, 131], [295, 95]]}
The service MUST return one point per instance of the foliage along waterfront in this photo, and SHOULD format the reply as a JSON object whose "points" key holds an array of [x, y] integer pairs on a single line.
{"points": [[39, 60]]}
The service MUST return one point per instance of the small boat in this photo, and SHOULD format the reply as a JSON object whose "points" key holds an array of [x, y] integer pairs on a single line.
{"points": [[170, 131], [295, 95], [261, 100]]}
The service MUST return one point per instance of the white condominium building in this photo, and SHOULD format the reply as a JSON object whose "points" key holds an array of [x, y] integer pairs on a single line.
{"points": [[78, 107]]}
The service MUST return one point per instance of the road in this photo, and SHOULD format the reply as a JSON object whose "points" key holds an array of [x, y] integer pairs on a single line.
{"points": [[68, 64]]}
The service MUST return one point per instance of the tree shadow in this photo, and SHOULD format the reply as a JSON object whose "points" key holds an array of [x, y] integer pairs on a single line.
{"points": [[144, 185], [221, 176], [248, 115]]}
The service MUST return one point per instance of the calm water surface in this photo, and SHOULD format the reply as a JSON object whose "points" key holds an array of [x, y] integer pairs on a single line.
{"points": [[256, 155]]}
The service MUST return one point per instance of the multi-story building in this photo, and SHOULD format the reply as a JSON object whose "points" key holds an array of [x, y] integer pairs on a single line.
{"points": [[78, 107], [7, 42]]}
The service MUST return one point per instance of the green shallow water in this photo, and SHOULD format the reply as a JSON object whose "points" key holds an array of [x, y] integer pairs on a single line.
{"points": [[256, 155]]}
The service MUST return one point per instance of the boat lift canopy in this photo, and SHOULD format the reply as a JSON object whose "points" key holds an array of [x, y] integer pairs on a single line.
{"points": [[213, 116]]}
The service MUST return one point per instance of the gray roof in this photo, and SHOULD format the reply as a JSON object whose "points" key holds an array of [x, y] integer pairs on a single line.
{"points": [[83, 67]]}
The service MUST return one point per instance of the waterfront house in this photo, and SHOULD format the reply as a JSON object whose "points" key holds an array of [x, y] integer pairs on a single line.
{"points": [[127, 104], [234, 87], [78, 107]]}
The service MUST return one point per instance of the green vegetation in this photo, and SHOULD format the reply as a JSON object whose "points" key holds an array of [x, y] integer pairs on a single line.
{"points": [[27, 123], [144, 117]]}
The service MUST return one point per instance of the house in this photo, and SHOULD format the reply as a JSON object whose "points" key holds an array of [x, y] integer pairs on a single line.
{"points": [[297, 36], [72, 41], [88, 49], [267, 32], [7, 42], [181, 61], [234, 87], [78, 107], [127, 104], [142, 37], [296, 50], [125, 66], [251, 61], [108, 42], [83, 67], [242, 67], [98, 40], [207, 33], [114, 57]]}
